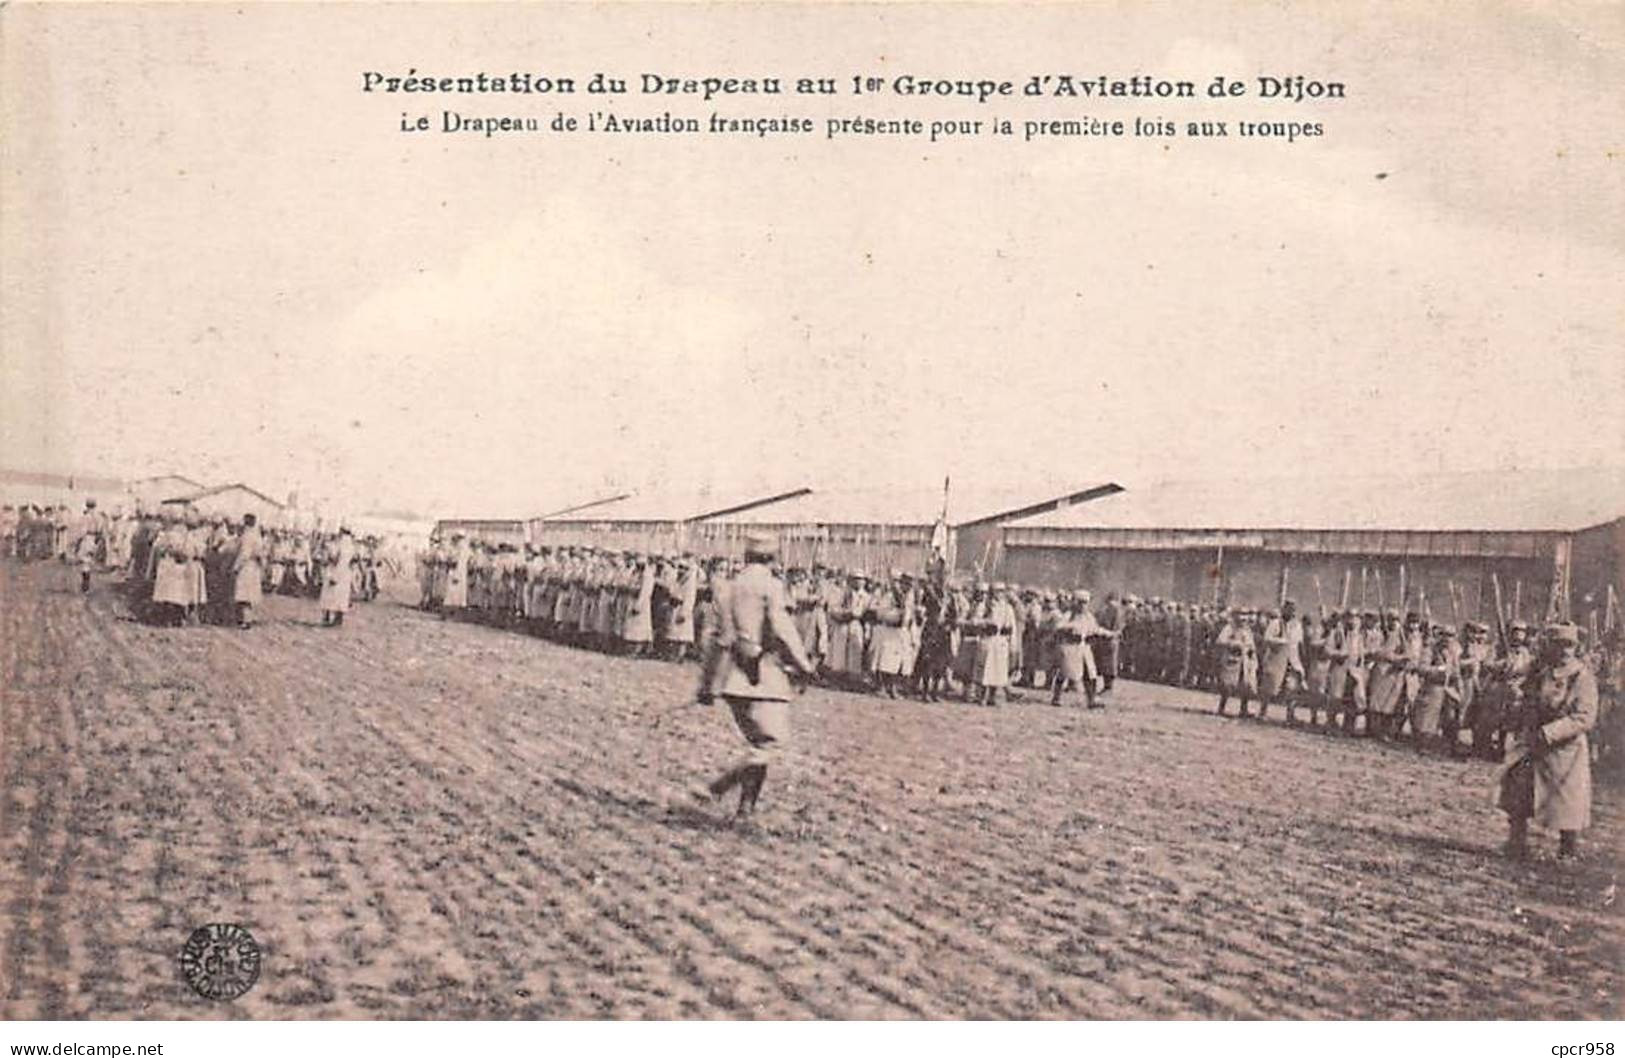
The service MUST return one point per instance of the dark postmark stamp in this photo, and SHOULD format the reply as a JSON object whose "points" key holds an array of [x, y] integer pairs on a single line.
{"points": [[220, 960]]}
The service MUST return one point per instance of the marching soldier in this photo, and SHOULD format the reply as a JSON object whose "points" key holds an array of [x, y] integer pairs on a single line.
{"points": [[746, 666]]}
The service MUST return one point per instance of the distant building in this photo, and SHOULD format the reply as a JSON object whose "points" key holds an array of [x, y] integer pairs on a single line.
{"points": [[230, 501], [150, 492], [1454, 536]]}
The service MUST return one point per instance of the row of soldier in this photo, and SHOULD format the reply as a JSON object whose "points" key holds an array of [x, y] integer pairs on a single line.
{"points": [[1388, 676], [1384, 675], [894, 634]]}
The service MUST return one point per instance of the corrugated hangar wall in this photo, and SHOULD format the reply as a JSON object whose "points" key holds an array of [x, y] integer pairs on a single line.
{"points": [[1253, 577]]}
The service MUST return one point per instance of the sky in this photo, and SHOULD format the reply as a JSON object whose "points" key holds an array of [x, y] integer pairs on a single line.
{"points": [[219, 257]]}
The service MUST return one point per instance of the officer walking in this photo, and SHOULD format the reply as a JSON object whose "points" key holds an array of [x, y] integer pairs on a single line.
{"points": [[745, 663]]}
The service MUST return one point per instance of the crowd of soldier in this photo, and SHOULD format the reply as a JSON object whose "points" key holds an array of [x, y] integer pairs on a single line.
{"points": [[893, 634], [181, 567]]}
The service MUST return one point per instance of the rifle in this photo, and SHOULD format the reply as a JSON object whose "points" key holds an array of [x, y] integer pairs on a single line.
{"points": [[1382, 600], [1320, 601], [1404, 588], [1363, 572], [1500, 615], [1286, 572], [1348, 583], [1517, 599], [1455, 608]]}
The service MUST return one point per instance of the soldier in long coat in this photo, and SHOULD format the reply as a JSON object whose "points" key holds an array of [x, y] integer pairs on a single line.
{"points": [[1439, 677], [336, 583], [248, 571], [169, 571], [1550, 779], [854, 606], [1111, 621], [745, 664], [1282, 636], [1387, 666], [1318, 668], [456, 578], [638, 625], [892, 649], [998, 618], [1413, 653], [1072, 658], [1238, 661], [685, 591]]}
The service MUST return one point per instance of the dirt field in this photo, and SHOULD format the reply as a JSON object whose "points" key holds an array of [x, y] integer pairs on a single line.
{"points": [[425, 819]]}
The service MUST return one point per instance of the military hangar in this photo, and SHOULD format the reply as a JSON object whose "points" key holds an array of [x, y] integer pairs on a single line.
{"points": [[1452, 536]]}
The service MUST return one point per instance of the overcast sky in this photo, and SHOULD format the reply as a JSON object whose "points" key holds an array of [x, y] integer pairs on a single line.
{"points": [[221, 258]]}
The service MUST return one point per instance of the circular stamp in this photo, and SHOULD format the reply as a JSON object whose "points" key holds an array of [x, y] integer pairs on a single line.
{"points": [[220, 960]]}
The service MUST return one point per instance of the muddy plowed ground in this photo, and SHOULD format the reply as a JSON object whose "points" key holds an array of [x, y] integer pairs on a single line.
{"points": [[425, 819]]}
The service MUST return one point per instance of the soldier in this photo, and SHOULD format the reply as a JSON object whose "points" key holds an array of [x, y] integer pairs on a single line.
{"points": [[681, 633], [1413, 654], [1374, 646], [248, 572], [1439, 676], [198, 535], [336, 582], [1496, 706], [120, 540], [1476, 652], [1110, 621], [936, 642], [10, 519], [756, 640], [998, 619], [637, 630], [455, 600], [1238, 661], [1318, 666], [1073, 659], [169, 572], [88, 545], [1181, 644], [890, 652], [1387, 664], [1283, 640], [1549, 780]]}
